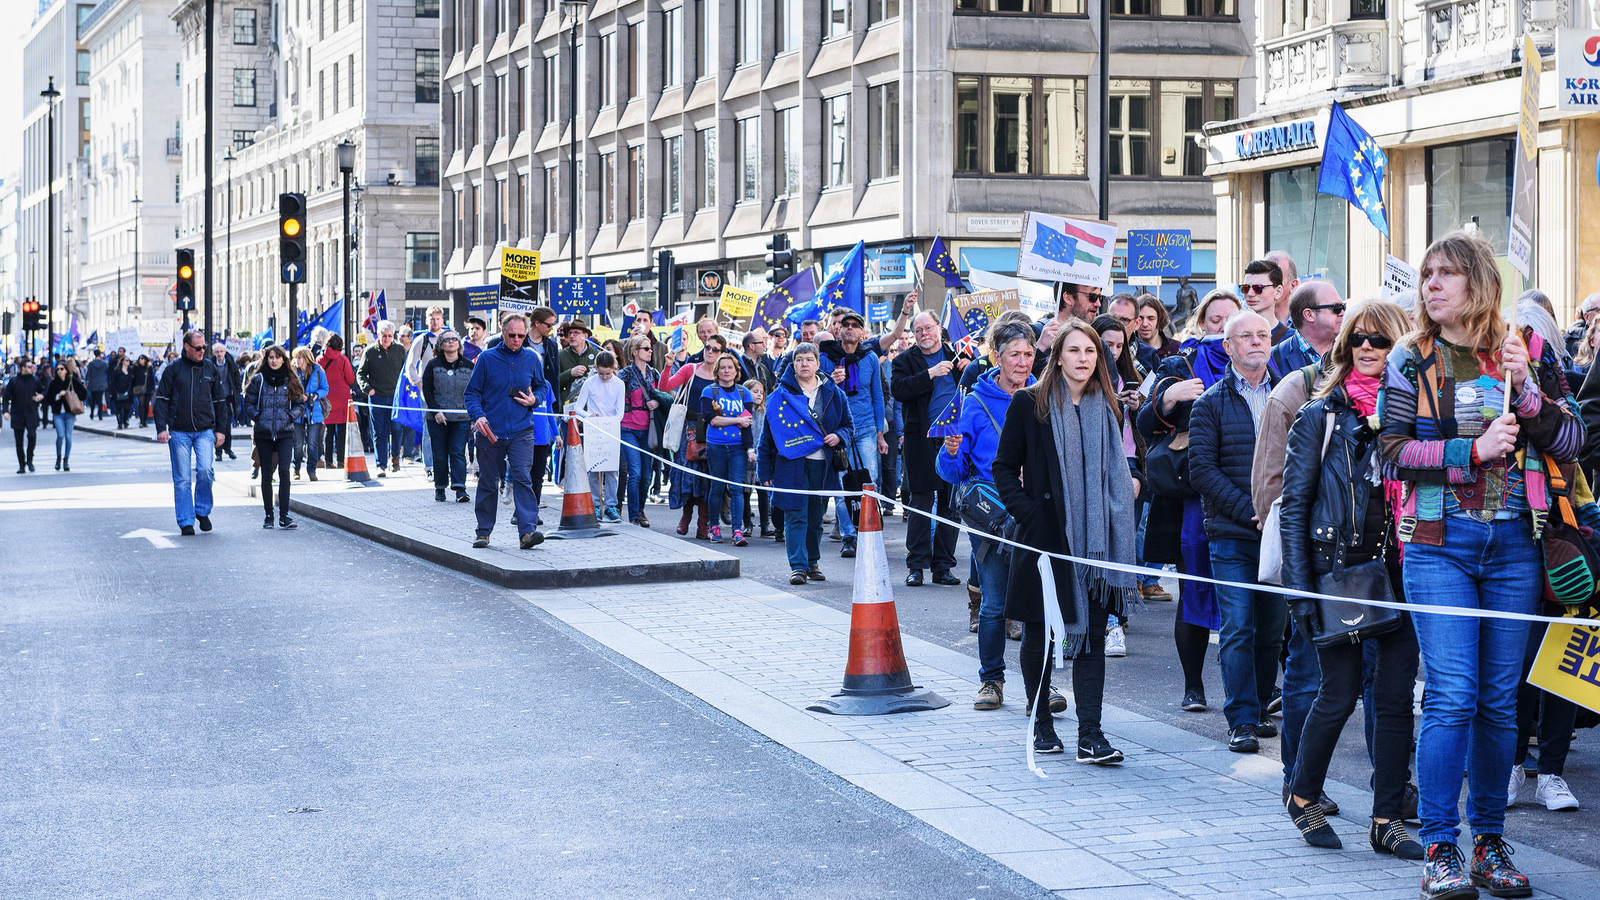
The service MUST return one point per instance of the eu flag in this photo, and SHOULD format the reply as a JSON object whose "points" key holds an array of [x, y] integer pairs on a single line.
{"points": [[1352, 167], [580, 295], [796, 290], [1053, 245], [948, 422], [331, 318], [940, 263], [794, 431], [846, 284]]}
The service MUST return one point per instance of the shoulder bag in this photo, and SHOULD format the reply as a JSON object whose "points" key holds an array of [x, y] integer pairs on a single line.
{"points": [[73, 403], [1571, 565], [978, 500], [1270, 570], [1167, 463], [672, 433]]}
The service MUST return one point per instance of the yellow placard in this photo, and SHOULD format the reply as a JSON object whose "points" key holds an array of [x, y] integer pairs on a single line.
{"points": [[691, 339], [519, 265], [603, 334], [737, 303], [1568, 664]]}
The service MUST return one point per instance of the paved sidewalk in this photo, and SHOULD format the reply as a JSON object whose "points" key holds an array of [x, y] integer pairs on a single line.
{"points": [[1182, 817], [108, 428]]}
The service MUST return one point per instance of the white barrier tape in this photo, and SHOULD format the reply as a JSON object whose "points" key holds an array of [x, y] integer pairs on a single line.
{"points": [[1096, 563]]}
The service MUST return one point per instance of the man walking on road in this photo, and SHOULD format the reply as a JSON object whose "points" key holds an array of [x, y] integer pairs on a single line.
{"points": [[191, 403], [96, 375], [926, 381], [21, 402], [378, 377], [228, 368], [506, 386]]}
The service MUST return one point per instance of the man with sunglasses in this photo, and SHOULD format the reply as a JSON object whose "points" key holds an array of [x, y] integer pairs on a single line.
{"points": [[191, 403], [1262, 287], [1316, 311], [506, 387]]}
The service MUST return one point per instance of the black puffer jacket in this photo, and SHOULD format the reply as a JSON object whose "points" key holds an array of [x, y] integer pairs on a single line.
{"points": [[1222, 449], [1331, 515], [270, 408]]}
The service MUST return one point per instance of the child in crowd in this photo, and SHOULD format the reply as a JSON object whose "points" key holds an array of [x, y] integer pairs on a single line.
{"points": [[603, 396]]}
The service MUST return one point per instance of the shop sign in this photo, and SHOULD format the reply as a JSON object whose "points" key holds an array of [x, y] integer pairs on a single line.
{"points": [[709, 283], [1577, 70], [1276, 139]]}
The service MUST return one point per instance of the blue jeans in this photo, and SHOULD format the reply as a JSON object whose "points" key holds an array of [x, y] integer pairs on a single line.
{"points": [[64, 423], [193, 456], [802, 528], [1251, 636], [384, 431], [726, 461], [634, 443], [512, 457], [992, 573], [1144, 518], [451, 438], [866, 452], [1469, 713], [1302, 676]]}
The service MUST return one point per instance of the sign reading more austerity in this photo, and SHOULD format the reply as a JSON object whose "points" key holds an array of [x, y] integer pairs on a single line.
{"points": [[519, 280], [1056, 248], [736, 303]]}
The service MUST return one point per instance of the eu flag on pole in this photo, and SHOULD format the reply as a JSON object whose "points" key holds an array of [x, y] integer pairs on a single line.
{"points": [[1352, 167], [581, 295], [846, 284], [948, 422], [940, 263], [330, 318], [798, 288]]}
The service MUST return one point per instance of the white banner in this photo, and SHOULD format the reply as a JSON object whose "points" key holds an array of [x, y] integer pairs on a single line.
{"points": [[1399, 281], [1056, 248], [602, 443], [1032, 298]]}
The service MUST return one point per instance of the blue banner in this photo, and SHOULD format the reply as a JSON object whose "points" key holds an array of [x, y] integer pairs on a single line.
{"points": [[794, 431], [1166, 254], [582, 295]]}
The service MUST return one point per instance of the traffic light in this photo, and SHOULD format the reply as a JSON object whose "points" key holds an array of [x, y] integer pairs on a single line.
{"points": [[666, 281], [780, 259], [30, 316], [292, 238], [185, 285]]}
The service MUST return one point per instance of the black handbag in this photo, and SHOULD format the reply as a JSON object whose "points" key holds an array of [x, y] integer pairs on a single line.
{"points": [[1345, 622], [855, 477], [1167, 466]]}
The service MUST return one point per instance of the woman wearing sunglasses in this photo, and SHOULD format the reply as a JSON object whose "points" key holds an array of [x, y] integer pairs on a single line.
{"points": [[1335, 513]]}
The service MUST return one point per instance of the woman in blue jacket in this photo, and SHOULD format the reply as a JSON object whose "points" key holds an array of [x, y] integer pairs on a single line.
{"points": [[968, 456], [812, 470], [308, 428]]}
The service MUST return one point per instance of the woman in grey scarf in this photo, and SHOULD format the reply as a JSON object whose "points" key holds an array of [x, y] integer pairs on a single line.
{"points": [[1062, 472]]}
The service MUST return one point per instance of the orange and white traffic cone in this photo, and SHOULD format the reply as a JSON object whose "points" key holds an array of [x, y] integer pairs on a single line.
{"points": [[578, 519], [355, 458], [876, 680]]}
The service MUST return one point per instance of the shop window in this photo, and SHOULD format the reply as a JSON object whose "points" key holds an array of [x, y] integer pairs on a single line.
{"points": [[1035, 7], [1469, 186], [1293, 206]]}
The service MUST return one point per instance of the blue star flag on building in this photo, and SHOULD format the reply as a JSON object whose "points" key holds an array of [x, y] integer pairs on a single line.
{"points": [[794, 431], [582, 295], [798, 288], [846, 284], [1352, 167], [940, 263], [1053, 245]]}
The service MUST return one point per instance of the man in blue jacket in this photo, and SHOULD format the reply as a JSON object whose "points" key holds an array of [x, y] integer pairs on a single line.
{"points": [[502, 397], [1222, 443], [854, 367]]}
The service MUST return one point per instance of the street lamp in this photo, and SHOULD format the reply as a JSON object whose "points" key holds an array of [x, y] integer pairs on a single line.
{"points": [[575, 9], [347, 167], [356, 231], [138, 281], [50, 95], [227, 290]]}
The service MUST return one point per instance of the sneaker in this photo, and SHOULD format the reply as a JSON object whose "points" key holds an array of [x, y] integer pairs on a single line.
{"points": [[1392, 837], [1443, 877], [1094, 749], [438, 494], [1194, 701], [1492, 868], [991, 694], [1554, 793], [848, 551], [205, 522], [286, 523], [798, 576], [615, 514], [1044, 737], [505, 491], [530, 540], [1313, 825], [480, 542], [188, 530], [461, 496], [1058, 701], [716, 534], [382, 473], [1242, 739], [1116, 642], [1518, 779], [738, 539], [1266, 729]]}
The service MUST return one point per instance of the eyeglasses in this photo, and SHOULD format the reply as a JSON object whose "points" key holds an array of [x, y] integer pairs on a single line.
{"points": [[1338, 308], [1255, 288], [711, 349], [1248, 336], [1377, 341]]}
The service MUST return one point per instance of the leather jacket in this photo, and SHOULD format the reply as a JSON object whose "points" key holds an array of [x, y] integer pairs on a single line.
{"points": [[1331, 515]]}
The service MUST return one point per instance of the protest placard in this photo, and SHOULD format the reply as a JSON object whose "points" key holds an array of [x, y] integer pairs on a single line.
{"points": [[1568, 664], [1056, 248]]}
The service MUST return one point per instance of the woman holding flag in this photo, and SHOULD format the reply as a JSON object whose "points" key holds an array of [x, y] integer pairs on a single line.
{"points": [[807, 417]]}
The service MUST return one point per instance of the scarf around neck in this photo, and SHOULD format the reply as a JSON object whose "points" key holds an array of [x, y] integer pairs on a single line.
{"points": [[1363, 391], [276, 377], [1097, 491]]}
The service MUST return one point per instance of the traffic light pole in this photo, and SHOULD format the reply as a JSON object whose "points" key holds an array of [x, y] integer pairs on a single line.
{"points": [[294, 314], [210, 162]]}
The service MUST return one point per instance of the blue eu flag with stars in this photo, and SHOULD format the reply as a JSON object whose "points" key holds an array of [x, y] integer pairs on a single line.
{"points": [[582, 295], [846, 284], [940, 263], [1353, 166], [1053, 245]]}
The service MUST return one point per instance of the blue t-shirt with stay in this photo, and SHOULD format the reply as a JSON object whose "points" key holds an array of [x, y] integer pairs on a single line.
{"points": [[732, 402], [944, 389]]}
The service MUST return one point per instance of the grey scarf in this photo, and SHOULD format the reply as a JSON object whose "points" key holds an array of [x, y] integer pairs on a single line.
{"points": [[1098, 494]]}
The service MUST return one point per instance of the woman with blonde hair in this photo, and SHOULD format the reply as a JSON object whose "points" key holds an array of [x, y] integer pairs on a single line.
{"points": [[1469, 518], [308, 428]]}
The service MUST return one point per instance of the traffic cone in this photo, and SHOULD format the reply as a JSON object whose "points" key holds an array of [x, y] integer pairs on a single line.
{"points": [[355, 459], [577, 504], [876, 681]]}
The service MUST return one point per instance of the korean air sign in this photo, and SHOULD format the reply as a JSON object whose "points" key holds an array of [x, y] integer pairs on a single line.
{"points": [[1276, 139], [1577, 70]]}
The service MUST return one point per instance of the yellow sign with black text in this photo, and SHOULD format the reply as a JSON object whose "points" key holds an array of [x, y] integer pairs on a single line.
{"points": [[519, 265], [1568, 664], [736, 303]]}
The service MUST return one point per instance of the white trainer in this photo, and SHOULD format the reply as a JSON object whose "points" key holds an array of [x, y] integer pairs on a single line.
{"points": [[1518, 779], [1116, 641], [1553, 792]]}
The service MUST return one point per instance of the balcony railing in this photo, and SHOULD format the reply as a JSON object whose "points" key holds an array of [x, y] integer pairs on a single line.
{"points": [[1325, 58], [1474, 34]]}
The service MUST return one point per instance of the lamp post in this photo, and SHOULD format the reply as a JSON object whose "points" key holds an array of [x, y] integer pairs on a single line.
{"points": [[575, 9], [354, 290], [347, 167], [122, 310], [50, 95], [227, 290], [138, 281]]}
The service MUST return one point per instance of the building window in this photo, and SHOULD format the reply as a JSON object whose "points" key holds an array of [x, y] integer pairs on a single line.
{"points": [[502, 106], [1130, 127], [1293, 204], [748, 24], [997, 132], [786, 140], [608, 81], [552, 81], [672, 178], [521, 202], [672, 47], [427, 76], [427, 9], [608, 189], [786, 26], [1469, 186], [1367, 9], [244, 87], [636, 57], [243, 138], [551, 201], [635, 183], [336, 88], [705, 154], [835, 18], [749, 142], [83, 67], [422, 255], [703, 40], [1035, 7], [244, 26], [836, 141], [427, 149], [474, 211], [519, 110], [883, 131], [502, 204], [1177, 9], [1154, 124], [350, 77], [882, 11]]}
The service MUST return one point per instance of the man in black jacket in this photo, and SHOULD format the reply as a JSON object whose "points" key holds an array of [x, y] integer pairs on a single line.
{"points": [[926, 379], [229, 367], [191, 404], [378, 376], [1222, 440], [21, 402]]}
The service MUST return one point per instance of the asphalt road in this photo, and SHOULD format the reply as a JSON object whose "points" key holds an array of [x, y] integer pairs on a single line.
{"points": [[256, 713]]}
